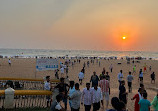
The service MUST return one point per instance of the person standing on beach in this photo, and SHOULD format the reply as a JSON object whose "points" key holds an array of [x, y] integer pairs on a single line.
{"points": [[154, 103], [63, 91], [111, 68], [152, 77], [145, 67], [103, 72], [75, 98], [130, 79], [97, 97], [134, 69], [150, 68], [94, 79], [141, 76], [123, 93], [105, 88], [9, 62], [101, 76], [138, 97], [144, 103], [62, 71], [81, 76], [86, 97], [47, 86], [107, 76], [71, 91], [120, 77]]}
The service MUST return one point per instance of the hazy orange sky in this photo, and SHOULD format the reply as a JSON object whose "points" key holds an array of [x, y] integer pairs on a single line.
{"points": [[79, 24]]}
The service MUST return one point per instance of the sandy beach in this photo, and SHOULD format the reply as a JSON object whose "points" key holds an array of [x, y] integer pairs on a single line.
{"points": [[25, 68]]}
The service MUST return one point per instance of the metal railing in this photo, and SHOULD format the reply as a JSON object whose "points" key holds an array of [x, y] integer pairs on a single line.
{"points": [[29, 94], [27, 98]]}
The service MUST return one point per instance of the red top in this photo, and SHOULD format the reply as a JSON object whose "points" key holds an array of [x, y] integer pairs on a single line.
{"points": [[136, 107]]}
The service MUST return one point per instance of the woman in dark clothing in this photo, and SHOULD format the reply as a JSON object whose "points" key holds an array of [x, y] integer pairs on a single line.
{"points": [[123, 93]]}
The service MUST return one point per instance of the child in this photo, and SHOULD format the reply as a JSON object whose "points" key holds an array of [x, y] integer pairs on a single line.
{"points": [[134, 69]]}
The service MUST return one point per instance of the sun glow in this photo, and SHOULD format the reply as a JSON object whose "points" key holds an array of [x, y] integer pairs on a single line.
{"points": [[123, 38]]}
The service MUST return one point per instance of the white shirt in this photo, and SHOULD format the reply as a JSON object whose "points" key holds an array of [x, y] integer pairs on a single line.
{"points": [[120, 76], [86, 97], [97, 95], [81, 75], [75, 98], [47, 86], [9, 61], [62, 70]]}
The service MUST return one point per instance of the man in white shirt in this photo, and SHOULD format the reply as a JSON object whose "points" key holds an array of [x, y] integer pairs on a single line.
{"points": [[120, 77], [56, 104], [87, 97], [62, 71], [47, 86], [97, 97], [81, 76], [71, 91], [75, 98]]}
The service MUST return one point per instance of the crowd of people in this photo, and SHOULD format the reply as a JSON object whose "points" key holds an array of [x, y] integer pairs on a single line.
{"points": [[97, 91]]}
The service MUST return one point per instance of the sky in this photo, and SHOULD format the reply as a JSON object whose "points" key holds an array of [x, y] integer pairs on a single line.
{"points": [[79, 24]]}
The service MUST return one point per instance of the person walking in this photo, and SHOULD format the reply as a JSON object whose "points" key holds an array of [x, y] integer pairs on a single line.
{"points": [[154, 103], [71, 91], [75, 98], [152, 77], [141, 76], [105, 88], [47, 86], [9, 62], [137, 98], [81, 76], [97, 97], [63, 91], [111, 68], [134, 69], [86, 97], [120, 77], [94, 79], [144, 103], [130, 79], [123, 93]]}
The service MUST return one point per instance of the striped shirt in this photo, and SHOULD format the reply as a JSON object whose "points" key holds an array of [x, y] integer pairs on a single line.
{"points": [[105, 85]]}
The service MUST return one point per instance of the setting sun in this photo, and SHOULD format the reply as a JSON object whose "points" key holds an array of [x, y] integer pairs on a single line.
{"points": [[123, 38]]}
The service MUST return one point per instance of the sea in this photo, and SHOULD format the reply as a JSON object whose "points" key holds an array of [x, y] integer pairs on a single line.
{"points": [[32, 53]]}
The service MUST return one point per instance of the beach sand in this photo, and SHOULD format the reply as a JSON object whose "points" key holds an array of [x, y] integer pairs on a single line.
{"points": [[25, 68]]}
